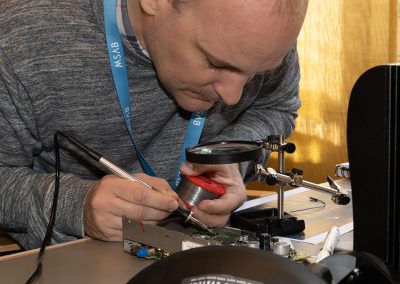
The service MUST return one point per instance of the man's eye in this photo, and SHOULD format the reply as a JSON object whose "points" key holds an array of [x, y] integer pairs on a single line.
{"points": [[214, 66]]}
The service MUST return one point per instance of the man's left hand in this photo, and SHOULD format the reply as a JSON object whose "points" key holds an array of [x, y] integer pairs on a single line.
{"points": [[216, 212]]}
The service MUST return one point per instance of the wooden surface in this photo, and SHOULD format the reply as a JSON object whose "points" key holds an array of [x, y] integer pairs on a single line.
{"points": [[81, 261], [339, 41], [7, 244]]}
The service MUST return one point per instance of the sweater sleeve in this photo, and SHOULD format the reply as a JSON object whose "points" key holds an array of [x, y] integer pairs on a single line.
{"points": [[26, 194]]}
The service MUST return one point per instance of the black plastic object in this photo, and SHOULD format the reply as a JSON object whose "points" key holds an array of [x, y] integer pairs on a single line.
{"points": [[355, 267], [373, 146], [227, 262], [289, 148], [266, 220], [224, 152], [276, 139], [341, 199]]}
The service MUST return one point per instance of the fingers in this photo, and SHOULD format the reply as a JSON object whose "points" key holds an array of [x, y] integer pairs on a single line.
{"points": [[216, 212], [160, 185], [145, 197], [112, 198], [225, 170], [221, 206], [141, 211], [213, 221]]}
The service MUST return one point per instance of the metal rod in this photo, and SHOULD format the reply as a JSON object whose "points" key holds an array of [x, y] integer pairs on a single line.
{"points": [[281, 187], [285, 178], [281, 192], [120, 172], [319, 187]]}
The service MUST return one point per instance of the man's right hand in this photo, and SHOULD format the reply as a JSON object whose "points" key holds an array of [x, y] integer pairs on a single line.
{"points": [[112, 198]]}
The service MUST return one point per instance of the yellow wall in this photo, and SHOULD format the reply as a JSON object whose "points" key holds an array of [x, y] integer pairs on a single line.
{"points": [[339, 41]]}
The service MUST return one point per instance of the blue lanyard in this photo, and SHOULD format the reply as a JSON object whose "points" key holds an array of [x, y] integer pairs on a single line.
{"points": [[120, 74], [192, 137]]}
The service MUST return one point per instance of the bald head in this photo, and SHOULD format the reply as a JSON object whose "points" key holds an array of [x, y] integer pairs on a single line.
{"points": [[298, 8], [207, 50], [301, 4], [263, 30]]}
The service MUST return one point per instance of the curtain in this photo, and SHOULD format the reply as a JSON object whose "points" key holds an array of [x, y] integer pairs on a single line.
{"points": [[339, 41]]}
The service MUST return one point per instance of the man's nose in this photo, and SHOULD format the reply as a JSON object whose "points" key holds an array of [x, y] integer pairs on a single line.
{"points": [[230, 87]]}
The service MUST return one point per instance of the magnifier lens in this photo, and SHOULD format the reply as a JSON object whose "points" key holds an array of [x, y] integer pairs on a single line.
{"points": [[224, 152]]}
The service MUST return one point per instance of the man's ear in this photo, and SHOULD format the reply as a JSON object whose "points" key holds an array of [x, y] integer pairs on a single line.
{"points": [[150, 7]]}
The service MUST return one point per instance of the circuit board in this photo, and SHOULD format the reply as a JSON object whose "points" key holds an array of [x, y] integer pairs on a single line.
{"points": [[174, 236]]}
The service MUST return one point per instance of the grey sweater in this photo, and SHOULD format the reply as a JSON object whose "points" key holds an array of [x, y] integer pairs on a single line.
{"points": [[55, 75]]}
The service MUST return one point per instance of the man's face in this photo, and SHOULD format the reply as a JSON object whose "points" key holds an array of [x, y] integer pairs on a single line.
{"points": [[212, 48]]}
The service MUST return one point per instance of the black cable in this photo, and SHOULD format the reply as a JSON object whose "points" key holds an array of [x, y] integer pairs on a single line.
{"points": [[50, 226], [36, 274], [312, 199]]}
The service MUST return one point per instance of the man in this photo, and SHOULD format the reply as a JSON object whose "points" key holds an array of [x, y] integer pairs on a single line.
{"points": [[235, 59]]}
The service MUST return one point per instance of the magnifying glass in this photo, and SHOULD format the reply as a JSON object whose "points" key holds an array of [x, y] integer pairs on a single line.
{"points": [[224, 152]]}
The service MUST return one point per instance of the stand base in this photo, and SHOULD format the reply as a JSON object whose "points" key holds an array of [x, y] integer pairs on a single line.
{"points": [[261, 221]]}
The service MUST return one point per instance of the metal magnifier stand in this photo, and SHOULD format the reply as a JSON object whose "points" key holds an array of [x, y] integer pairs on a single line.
{"points": [[272, 221], [275, 221]]}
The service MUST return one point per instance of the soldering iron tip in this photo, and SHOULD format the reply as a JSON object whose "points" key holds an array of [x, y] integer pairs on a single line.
{"points": [[201, 225]]}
